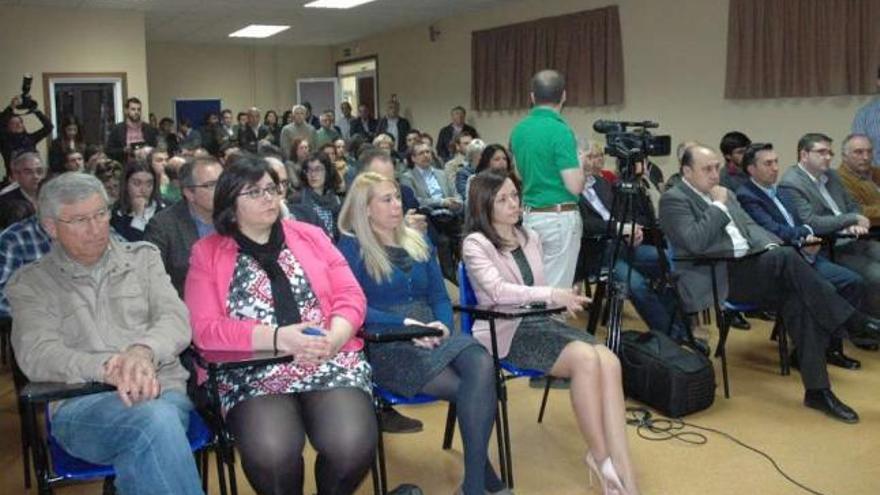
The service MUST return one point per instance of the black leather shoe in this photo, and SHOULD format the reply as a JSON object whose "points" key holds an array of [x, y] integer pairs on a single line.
{"points": [[394, 422], [868, 330], [841, 360], [824, 400], [865, 344], [762, 315], [737, 320]]}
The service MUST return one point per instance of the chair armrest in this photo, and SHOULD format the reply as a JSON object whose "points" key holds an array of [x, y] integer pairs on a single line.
{"points": [[506, 311], [39, 392], [226, 360], [400, 334]]}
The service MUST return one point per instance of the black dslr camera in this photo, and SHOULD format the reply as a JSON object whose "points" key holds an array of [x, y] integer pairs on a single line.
{"points": [[631, 147], [27, 103]]}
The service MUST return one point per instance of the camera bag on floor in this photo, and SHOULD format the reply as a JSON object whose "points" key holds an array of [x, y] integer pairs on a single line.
{"points": [[664, 375]]}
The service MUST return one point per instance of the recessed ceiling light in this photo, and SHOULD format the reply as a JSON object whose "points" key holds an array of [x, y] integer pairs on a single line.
{"points": [[258, 31], [336, 4]]}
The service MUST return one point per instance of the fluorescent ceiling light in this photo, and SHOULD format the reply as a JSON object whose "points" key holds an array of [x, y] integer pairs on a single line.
{"points": [[258, 31], [336, 4]]}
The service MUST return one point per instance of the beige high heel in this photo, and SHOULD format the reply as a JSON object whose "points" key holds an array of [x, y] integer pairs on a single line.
{"points": [[611, 484], [592, 468]]}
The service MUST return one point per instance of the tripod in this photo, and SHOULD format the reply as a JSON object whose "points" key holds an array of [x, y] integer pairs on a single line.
{"points": [[629, 199]]}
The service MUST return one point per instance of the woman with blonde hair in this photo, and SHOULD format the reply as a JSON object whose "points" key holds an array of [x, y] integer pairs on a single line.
{"points": [[398, 270]]}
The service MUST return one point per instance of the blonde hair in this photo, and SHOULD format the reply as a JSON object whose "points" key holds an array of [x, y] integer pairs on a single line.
{"points": [[354, 221]]}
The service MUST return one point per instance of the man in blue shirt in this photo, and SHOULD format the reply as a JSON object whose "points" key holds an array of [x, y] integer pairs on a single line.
{"points": [[20, 244]]}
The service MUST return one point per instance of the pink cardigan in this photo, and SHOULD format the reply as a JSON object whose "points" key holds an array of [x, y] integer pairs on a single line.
{"points": [[496, 279], [211, 268]]}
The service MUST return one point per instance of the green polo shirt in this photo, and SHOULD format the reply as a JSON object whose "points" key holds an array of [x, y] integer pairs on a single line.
{"points": [[543, 145]]}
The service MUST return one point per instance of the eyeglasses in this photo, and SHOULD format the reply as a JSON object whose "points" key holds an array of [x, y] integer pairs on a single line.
{"points": [[211, 184], [270, 191], [423, 152], [101, 215], [315, 170], [38, 172]]}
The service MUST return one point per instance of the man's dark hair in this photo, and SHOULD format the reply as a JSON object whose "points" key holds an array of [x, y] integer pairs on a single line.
{"points": [[464, 132], [270, 150], [809, 140], [459, 108], [548, 87], [331, 178], [240, 115], [188, 169], [166, 120], [372, 153], [733, 140], [186, 123], [225, 111], [247, 169], [751, 154], [481, 201], [133, 99]]}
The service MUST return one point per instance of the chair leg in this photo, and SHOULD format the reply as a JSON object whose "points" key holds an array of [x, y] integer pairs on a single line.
{"points": [[380, 453], [450, 427], [546, 395], [499, 436], [596, 307], [109, 488], [721, 351], [782, 339], [374, 474]]}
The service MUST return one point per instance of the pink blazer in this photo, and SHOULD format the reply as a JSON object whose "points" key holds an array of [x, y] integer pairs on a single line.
{"points": [[211, 268], [496, 279]]}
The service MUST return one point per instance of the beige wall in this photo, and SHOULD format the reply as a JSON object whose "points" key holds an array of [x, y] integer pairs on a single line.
{"points": [[39, 40], [241, 76], [674, 59]]}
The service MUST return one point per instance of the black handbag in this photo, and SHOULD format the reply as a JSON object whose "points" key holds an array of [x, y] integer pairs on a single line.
{"points": [[664, 375]]}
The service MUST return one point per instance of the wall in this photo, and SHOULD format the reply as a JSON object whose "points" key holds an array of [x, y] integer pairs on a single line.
{"points": [[39, 40], [674, 66], [241, 76]]}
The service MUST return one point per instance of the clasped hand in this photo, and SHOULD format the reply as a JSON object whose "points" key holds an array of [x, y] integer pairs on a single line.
{"points": [[307, 349], [133, 374], [428, 342]]}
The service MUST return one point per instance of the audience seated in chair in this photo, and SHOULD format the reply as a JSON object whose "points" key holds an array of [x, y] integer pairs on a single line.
{"points": [[19, 200], [258, 284], [702, 218], [139, 200], [504, 263], [132, 342], [398, 270], [318, 202], [859, 176], [733, 146], [759, 198]]}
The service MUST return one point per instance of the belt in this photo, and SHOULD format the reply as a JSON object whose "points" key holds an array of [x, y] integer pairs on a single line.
{"points": [[555, 208]]}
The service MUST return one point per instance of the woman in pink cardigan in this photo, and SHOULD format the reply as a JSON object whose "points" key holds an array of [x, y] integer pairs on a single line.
{"points": [[263, 283], [504, 266]]}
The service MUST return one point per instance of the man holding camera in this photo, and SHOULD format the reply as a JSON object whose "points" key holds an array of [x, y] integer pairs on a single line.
{"points": [[14, 138], [130, 134]]}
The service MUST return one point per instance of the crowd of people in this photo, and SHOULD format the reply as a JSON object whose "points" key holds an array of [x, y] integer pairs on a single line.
{"points": [[292, 234]]}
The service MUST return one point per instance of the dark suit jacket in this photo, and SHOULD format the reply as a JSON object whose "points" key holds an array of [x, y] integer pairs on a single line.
{"points": [[357, 127], [761, 208], [403, 129], [173, 231], [444, 140], [799, 191], [115, 146], [694, 228], [248, 140]]}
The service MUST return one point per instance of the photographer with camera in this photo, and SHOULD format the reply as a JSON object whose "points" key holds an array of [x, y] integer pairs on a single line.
{"points": [[130, 134], [14, 138]]}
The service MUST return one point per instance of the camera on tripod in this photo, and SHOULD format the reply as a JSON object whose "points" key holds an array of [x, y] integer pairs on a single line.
{"points": [[27, 103], [634, 146]]}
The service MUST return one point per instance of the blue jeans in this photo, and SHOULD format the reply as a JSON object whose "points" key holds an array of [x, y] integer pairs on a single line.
{"points": [[656, 309], [145, 443]]}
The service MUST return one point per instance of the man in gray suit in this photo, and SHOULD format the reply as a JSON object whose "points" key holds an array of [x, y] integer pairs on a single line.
{"points": [[702, 218], [433, 189], [174, 230], [817, 195]]}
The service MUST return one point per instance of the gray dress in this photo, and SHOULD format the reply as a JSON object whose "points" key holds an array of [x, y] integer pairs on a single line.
{"points": [[539, 340]]}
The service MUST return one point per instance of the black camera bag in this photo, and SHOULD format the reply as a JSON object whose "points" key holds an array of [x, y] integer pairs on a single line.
{"points": [[664, 375]]}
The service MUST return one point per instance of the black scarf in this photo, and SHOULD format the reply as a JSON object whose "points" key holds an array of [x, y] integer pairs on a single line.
{"points": [[283, 300]]}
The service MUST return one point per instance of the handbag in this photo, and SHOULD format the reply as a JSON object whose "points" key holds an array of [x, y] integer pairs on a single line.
{"points": [[660, 373]]}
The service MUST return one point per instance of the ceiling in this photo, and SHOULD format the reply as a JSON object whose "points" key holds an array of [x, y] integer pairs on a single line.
{"points": [[210, 21]]}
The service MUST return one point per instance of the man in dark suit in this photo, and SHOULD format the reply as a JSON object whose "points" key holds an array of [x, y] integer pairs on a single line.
{"points": [[130, 134], [448, 133], [250, 134], [364, 124], [702, 218], [818, 196], [174, 230], [759, 198], [595, 205], [395, 125]]}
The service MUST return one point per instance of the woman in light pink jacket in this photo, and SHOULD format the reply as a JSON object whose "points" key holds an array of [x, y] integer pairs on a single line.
{"points": [[504, 266]]}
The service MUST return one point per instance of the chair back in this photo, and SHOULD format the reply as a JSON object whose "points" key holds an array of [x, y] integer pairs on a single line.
{"points": [[466, 297]]}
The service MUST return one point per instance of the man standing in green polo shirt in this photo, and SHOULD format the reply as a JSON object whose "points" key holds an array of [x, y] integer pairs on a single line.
{"points": [[545, 150]]}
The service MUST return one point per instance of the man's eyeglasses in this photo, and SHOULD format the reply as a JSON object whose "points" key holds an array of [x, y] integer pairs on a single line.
{"points": [[101, 215], [207, 185], [270, 191]]}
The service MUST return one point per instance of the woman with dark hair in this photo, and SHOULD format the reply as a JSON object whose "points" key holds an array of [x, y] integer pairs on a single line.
{"points": [[270, 120], [318, 202], [139, 200], [262, 283], [495, 157], [69, 139], [504, 265], [398, 270], [286, 117]]}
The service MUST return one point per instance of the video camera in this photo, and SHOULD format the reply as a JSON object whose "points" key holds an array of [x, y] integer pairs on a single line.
{"points": [[632, 147], [27, 103]]}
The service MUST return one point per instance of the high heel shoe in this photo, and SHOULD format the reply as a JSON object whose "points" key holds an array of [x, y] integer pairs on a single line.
{"points": [[592, 468], [611, 481]]}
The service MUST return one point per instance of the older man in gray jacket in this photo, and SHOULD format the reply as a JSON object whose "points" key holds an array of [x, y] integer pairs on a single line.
{"points": [[97, 310]]}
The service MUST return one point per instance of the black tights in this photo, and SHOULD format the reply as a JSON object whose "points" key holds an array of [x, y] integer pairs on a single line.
{"points": [[469, 382], [270, 433]]}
